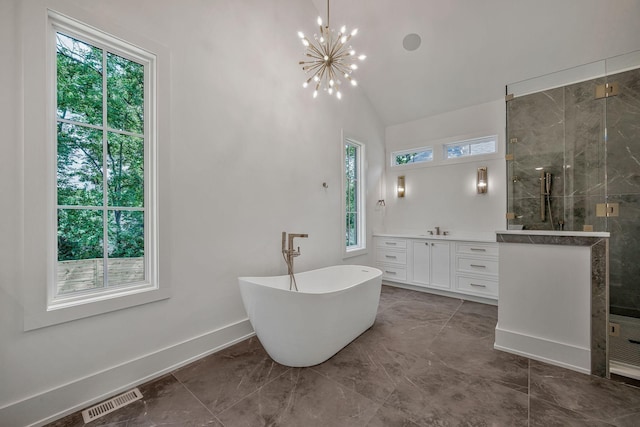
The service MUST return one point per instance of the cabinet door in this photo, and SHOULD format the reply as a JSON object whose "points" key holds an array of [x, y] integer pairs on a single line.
{"points": [[440, 265], [421, 264]]}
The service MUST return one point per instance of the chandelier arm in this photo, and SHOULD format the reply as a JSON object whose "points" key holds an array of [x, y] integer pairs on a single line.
{"points": [[343, 70], [314, 68], [314, 49]]}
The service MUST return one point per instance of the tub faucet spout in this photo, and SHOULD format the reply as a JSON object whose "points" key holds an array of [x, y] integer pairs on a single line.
{"points": [[289, 253]]}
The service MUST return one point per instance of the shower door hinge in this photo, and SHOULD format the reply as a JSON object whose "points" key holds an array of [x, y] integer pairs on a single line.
{"points": [[508, 97], [508, 157], [513, 141], [608, 209], [511, 215], [608, 89]]}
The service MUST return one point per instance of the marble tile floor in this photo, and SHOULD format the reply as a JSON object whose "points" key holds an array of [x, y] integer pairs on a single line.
{"points": [[427, 361]]}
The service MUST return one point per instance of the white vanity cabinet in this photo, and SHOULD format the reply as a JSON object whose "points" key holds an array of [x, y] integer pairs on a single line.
{"points": [[432, 263], [447, 266], [391, 258], [477, 269]]}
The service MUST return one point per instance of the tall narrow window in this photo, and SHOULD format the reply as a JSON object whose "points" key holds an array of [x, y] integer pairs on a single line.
{"points": [[353, 197], [105, 224]]}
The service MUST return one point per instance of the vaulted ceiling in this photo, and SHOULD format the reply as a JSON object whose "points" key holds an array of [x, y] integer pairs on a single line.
{"points": [[472, 48]]}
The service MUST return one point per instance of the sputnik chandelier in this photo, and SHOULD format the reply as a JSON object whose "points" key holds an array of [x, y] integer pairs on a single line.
{"points": [[330, 58]]}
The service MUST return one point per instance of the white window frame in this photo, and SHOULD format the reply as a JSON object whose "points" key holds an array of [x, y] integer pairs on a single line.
{"points": [[395, 154], [361, 247], [41, 307]]}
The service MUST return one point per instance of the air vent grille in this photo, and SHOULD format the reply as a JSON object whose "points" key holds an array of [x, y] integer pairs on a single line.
{"points": [[111, 405]]}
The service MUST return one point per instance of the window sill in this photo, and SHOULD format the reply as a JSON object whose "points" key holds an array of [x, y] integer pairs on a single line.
{"points": [[107, 303], [354, 253]]}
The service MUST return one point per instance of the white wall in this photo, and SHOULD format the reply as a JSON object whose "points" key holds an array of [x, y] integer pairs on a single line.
{"points": [[537, 285], [445, 195], [248, 152]]}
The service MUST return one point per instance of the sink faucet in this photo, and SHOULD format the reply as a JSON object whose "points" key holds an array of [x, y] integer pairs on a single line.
{"points": [[289, 253], [437, 231]]}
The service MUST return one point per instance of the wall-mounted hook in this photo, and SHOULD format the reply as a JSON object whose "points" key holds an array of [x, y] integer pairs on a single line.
{"points": [[325, 185]]}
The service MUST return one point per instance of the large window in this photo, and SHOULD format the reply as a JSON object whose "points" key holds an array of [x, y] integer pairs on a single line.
{"points": [[105, 237], [354, 231]]}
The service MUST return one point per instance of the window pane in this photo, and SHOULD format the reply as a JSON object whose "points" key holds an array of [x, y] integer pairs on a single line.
{"points": [[80, 262], [125, 94], [126, 247], [487, 147], [79, 84], [419, 156], [125, 161], [475, 147], [79, 165]]}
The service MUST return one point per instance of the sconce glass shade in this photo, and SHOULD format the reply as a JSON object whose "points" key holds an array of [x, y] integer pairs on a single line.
{"points": [[481, 184], [400, 187]]}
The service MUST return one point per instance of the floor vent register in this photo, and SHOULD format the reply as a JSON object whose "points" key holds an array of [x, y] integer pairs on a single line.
{"points": [[111, 405]]}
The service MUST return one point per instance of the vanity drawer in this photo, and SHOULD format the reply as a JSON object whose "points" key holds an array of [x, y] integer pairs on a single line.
{"points": [[483, 249], [389, 256], [384, 242], [393, 273], [473, 285], [477, 265]]}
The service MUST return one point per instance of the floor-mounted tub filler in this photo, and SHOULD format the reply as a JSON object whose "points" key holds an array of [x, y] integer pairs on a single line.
{"points": [[331, 308]]}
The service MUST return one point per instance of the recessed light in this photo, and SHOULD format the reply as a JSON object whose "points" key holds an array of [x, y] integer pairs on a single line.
{"points": [[411, 42]]}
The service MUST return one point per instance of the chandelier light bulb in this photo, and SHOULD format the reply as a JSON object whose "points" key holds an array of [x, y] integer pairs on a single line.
{"points": [[354, 83], [331, 82], [316, 78], [362, 57], [315, 93], [354, 67], [354, 32], [305, 84], [330, 91], [352, 52], [343, 29], [300, 34], [338, 95], [305, 42], [343, 40], [320, 21]]}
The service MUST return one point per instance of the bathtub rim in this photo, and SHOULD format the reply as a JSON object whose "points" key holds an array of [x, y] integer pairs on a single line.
{"points": [[251, 279]]}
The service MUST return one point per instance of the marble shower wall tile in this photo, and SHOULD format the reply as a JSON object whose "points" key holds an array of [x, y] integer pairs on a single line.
{"points": [[623, 137]]}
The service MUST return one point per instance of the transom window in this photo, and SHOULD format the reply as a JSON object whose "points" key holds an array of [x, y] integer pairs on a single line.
{"points": [[416, 155], [471, 147], [105, 239]]}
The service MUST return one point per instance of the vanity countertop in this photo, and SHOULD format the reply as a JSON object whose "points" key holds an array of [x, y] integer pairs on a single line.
{"points": [[555, 233], [486, 237]]}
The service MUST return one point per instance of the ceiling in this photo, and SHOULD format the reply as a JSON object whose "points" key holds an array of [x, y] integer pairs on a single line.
{"points": [[472, 48]]}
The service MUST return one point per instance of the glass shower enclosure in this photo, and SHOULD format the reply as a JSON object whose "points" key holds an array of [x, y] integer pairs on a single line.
{"points": [[573, 163]]}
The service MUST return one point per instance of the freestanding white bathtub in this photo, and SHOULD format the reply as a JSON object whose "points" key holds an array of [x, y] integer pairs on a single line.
{"points": [[333, 306]]}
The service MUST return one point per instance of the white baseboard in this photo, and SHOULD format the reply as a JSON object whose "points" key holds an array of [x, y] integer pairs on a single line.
{"points": [[551, 352], [58, 402]]}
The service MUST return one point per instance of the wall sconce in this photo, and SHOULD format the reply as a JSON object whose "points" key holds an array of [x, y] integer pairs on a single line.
{"points": [[400, 186], [481, 184]]}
